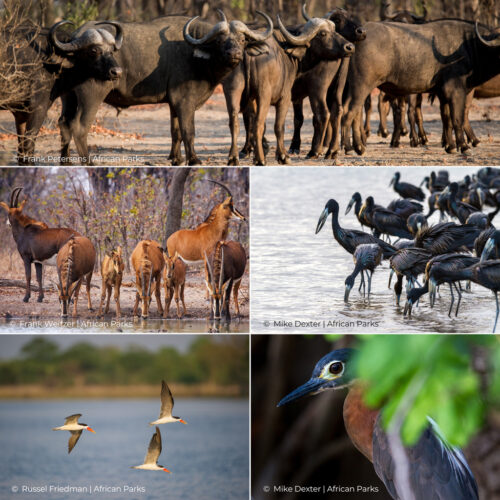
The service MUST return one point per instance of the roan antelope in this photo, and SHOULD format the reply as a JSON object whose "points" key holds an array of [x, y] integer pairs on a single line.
{"points": [[147, 261], [75, 261], [192, 244], [224, 268], [112, 273], [36, 242], [174, 276]]}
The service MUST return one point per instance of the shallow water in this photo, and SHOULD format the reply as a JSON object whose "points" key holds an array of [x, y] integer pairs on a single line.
{"points": [[298, 277], [208, 457], [55, 324]]}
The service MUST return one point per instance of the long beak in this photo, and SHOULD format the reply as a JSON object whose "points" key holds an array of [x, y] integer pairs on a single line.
{"points": [[349, 206], [392, 182], [346, 293], [312, 386], [422, 183], [322, 220], [166, 470], [487, 250], [183, 421], [91, 430]]}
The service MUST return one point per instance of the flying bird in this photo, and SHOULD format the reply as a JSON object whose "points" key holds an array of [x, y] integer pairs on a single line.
{"points": [[154, 450], [167, 405], [72, 425]]}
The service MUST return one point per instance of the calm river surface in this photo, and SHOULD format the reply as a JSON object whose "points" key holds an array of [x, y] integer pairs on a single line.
{"points": [[298, 277], [208, 457]]}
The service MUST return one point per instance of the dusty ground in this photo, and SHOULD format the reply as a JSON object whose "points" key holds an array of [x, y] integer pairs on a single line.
{"points": [[141, 136], [16, 314]]}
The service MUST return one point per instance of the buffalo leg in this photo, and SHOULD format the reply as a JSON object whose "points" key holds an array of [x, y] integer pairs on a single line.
{"points": [[321, 117], [467, 126], [186, 123], [368, 112], [21, 120], [279, 129], [298, 121], [175, 155], [259, 124], [249, 125], [412, 119], [233, 86], [447, 139], [457, 108], [420, 121], [383, 111], [39, 278], [68, 114]]}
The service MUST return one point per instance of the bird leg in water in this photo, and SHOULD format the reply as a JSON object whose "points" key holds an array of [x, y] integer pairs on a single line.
{"points": [[452, 300], [496, 317], [361, 282], [370, 275], [459, 291]]}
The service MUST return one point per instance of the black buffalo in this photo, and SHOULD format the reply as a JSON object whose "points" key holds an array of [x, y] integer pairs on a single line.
{"points": [[447, 58], [53, 67], [173, 60]]}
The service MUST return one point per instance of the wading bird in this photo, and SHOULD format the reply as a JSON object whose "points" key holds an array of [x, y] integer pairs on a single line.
{"points": [[154, 450], [366, 258], [435, 469], [405, 189], [349, 239], [71, 424], [167, 405]]}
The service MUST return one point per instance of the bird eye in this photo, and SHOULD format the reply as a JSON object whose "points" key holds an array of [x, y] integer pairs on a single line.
{"points": [[336, 368]]}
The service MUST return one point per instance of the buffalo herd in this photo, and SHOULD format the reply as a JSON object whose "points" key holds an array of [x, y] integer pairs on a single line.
{"points": [[333, 60]]}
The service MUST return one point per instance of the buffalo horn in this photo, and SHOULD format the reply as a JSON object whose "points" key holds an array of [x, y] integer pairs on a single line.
{"points": [[489, 43], [220, 27], [119, 32], [308, 32], [255, 35], [65, 47]]}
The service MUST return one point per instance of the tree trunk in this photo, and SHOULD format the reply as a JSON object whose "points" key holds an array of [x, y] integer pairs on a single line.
{"points": [[174, 210]]}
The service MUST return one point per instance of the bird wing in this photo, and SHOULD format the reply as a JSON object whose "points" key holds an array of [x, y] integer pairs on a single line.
{"points": [[154, 448], [436, 470], [75, 436], [167, 400], [72, 419]]}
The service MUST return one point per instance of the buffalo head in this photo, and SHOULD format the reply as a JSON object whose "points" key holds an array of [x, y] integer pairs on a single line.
{"points": [[228, 40], [318, 36], [92, 50]]}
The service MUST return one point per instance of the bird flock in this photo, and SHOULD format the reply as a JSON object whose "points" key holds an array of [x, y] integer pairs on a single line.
{"points": [[72, 425], [463, 246]]}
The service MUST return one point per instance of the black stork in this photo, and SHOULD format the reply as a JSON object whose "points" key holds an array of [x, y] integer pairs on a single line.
{"points": [[349, 239], [366, 258], [405, 189], [404, 208], [457, 208], [416, 222], [385, 221], [446, 237], [436, 470], [357, 202]]}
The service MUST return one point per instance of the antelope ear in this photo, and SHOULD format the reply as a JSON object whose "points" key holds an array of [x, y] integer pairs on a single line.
{"points": [[21, 206], [4, 206]]}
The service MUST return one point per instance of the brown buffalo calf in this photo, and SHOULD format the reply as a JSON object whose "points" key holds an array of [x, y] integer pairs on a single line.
{"points": [[147, 261], [174, 276], [112, 273]]}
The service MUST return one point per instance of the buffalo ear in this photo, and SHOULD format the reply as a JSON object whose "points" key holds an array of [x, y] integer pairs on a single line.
{"points": [[297, 52], [257, 49], [4, 206], [201, 54]]}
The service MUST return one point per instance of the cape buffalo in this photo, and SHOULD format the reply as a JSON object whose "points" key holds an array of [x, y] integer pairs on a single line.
{"points": [[171, 59], [53, 67], [446, 58]]}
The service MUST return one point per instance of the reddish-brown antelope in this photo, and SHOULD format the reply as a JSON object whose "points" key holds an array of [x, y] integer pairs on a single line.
{"points": [[174, 276], [224, 267], [112, 273], [36, 242], [192, 244], [75, 262], [147, 261]]}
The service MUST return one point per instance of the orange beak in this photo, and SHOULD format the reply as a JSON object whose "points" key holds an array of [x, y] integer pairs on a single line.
{"points": [[166, 470], [91, 430], [184, 422]]}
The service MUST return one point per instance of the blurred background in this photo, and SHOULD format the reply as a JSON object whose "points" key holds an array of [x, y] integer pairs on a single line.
{"points": [[305, 443], [115, 382]]}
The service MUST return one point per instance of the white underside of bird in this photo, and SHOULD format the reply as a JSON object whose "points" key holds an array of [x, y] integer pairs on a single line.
{"points": [[151, 458], [71, 424], [167, 405]]}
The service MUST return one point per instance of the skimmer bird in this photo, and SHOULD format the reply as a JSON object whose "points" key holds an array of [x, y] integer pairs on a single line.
{"points": [[72, 425]]}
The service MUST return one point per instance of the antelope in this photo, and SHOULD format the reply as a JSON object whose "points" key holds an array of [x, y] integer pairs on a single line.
{"points": [[174, 275], [224, 268], [147, 261], [75, 261], [36, 242], [112, 273], [191, 244]]}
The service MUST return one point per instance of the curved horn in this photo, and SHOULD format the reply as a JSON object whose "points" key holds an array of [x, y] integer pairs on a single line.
{"points": [[304, 13], [65, 47], [15, 192], [310, 30], [222, 185], [16, 202], [119, 32], [489, 43], [333, 11], [256, 35], [220, 27]]}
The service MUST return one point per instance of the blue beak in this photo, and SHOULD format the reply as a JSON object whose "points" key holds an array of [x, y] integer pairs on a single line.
{"points": [[312, 386]]}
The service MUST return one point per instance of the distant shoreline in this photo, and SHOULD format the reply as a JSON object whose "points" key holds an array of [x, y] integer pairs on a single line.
{"points": [[34, 391]]}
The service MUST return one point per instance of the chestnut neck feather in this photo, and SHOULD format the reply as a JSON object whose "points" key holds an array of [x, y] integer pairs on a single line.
{"points": [[359, 421]]}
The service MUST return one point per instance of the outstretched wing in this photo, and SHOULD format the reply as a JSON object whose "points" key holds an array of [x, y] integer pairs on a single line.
{"points": [[154, 448], [72, 419], [167, 400], [75, 436]]}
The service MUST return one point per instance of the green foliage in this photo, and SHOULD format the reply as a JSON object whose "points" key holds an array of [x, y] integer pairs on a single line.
{"points": [[429, 375], [81, 12], [222, 361]]}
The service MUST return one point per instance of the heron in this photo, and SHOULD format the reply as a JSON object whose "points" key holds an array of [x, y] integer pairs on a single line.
{"points": [[405, 189], [435, 469]]}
